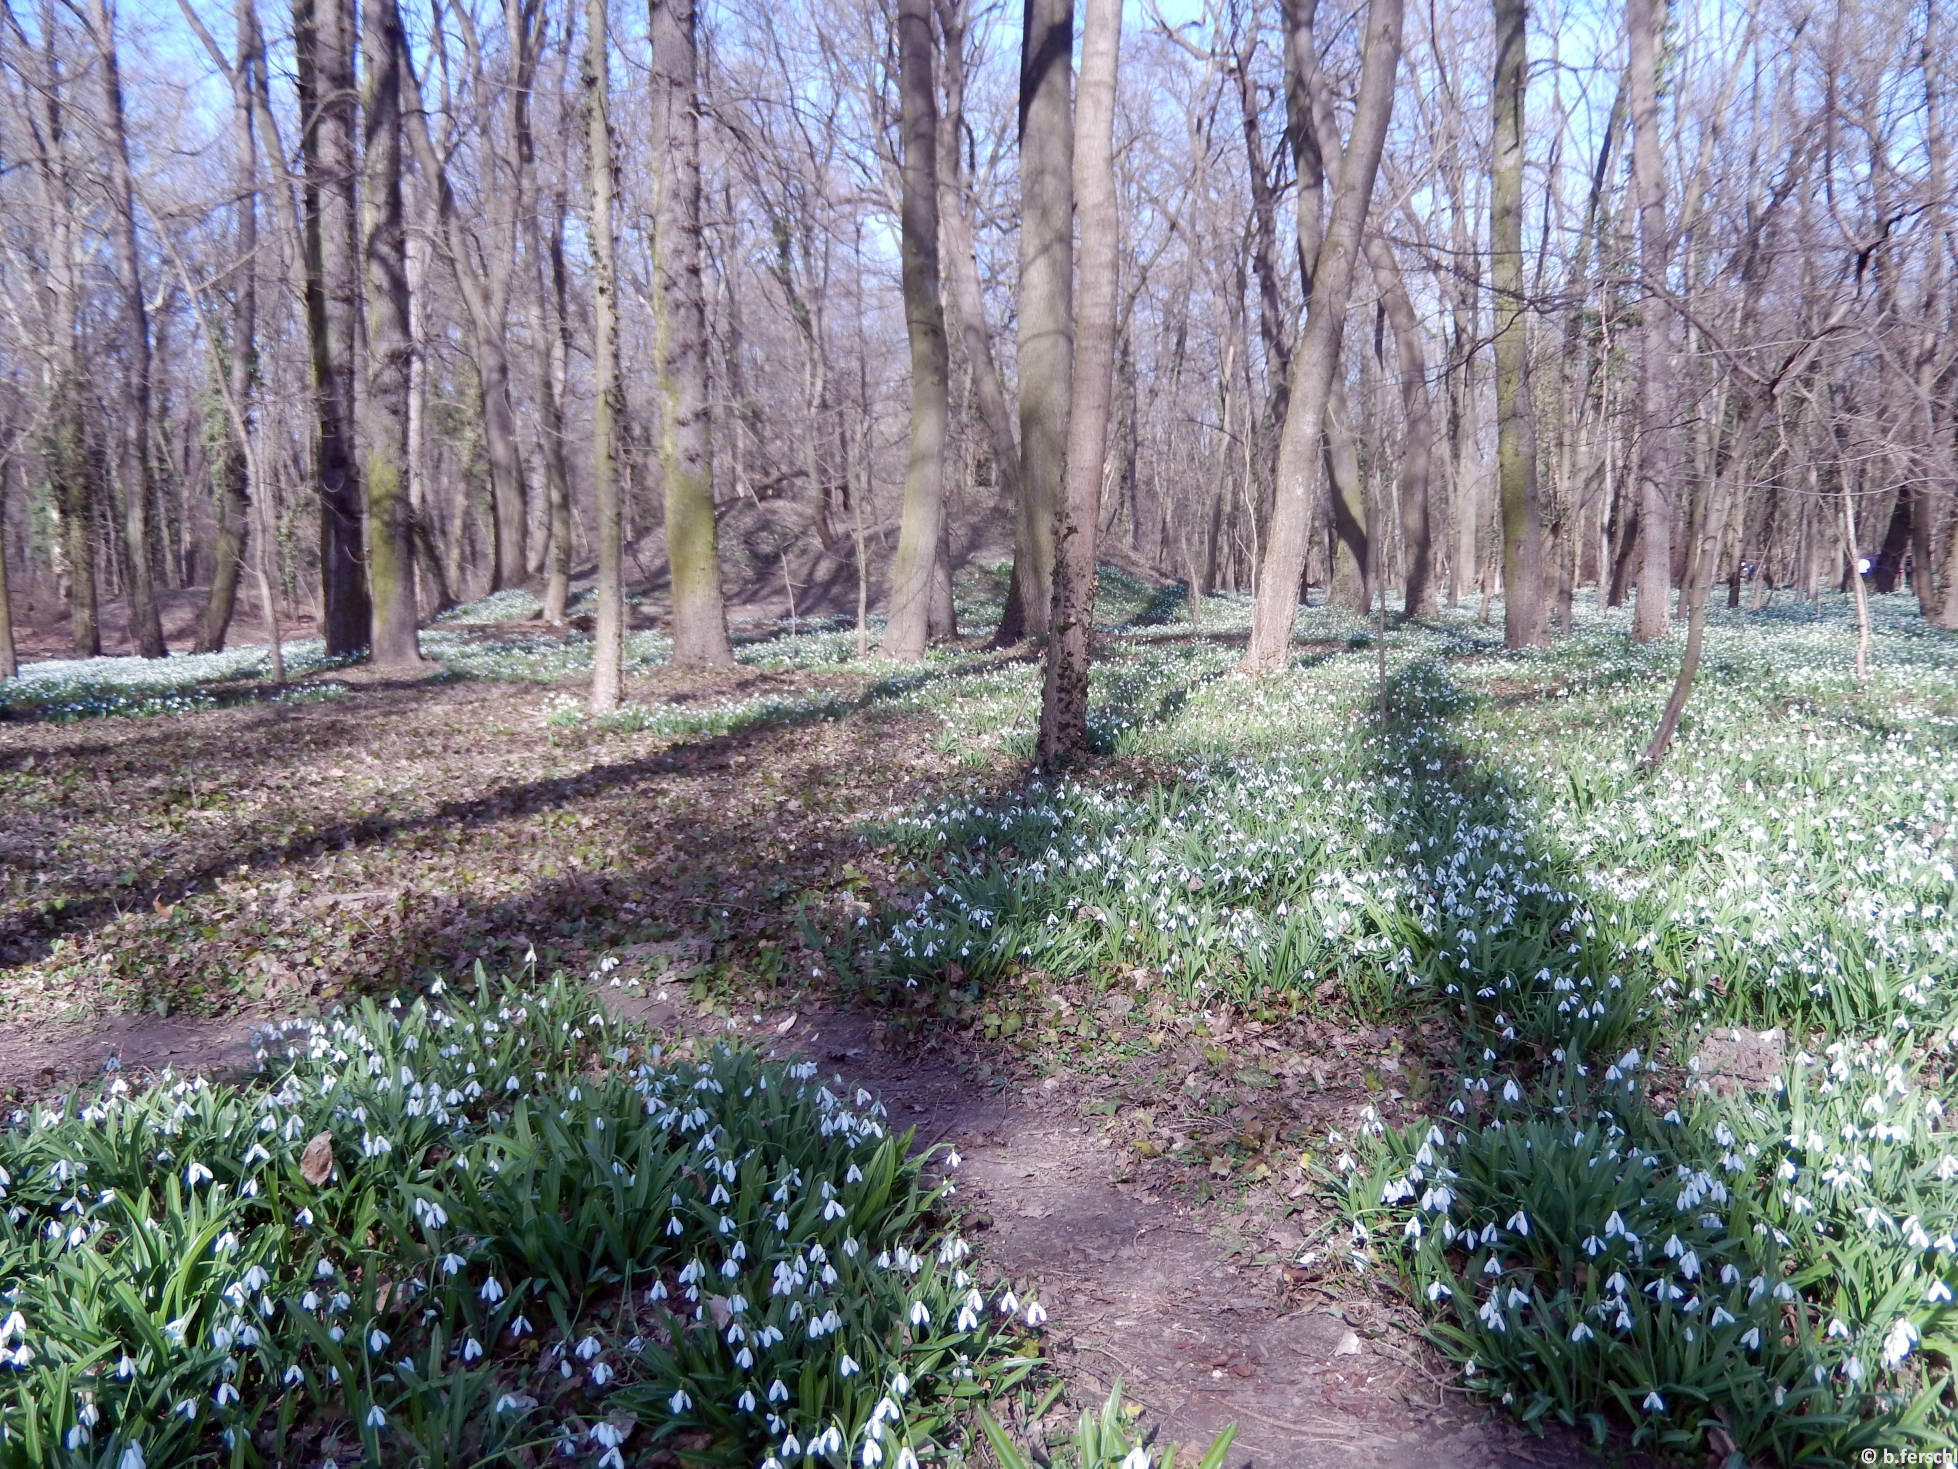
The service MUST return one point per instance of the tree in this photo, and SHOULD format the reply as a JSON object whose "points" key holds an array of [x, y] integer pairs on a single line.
{"points": [[145, 628], [908, 627], [1046, 322], [609, 635], [680, 344], [1644, 22], [1064, 697], [390, 346], [1522, 536], [1299, 446], [323, 46]]}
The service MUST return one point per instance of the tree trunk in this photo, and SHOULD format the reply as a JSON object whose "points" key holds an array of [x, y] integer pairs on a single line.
{"points": [[1046, 306], [968, 298], [390, 348], [9, 665], [1417, 412], [323, 49], [240, 366], [557, 475], [1522, 535], [1317, 359], [1644, 22], [135, 469], [917, 544], [680, 344], [608, 641], [1064, 698]]}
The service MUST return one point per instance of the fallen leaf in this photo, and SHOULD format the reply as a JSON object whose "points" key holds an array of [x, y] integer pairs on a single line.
{"points": [[316, 1163], [1349, 1345]]}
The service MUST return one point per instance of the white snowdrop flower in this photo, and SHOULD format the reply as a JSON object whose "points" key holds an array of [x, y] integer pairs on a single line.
{"points": [[1653, 1403], [1580, 1332], [1036, 1314], [132, 1458], [920, 1314], [195, 1174], [519, 1326], [1751, 1338], [14, 1326], [1938, 1292], [492, 1291], [471, 1349], [847, 1367], [1511, 1092], [777, 1391], [1009, 1304], [452, 1263], [905, 1458], [375, 1417], [293, 1376], [1897, 1343], [601, 1374], [1519, 1222], [508, 1403], [679, 1402], [377, 1341], [588, 1348]]}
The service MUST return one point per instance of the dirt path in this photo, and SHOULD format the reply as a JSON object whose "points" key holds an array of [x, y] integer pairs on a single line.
{"points": [[1135, 1284]]}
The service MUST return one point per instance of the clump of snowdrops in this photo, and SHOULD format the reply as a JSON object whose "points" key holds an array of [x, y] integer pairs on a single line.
{"points": [[452, 1230]]}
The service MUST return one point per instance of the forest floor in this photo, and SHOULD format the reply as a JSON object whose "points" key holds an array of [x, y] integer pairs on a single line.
{"points": [[1159, 1168]]}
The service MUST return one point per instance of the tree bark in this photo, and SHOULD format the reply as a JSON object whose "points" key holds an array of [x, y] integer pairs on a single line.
{"points": [[1417, 413], [1317, 359], [680, 343], [323, 49], [906, 631], [134, 467], [1522, 534], [1644, 21], [557, 475], [1064, 699], [390, 348], [1046, 306], [235, 488], [608, 640]]}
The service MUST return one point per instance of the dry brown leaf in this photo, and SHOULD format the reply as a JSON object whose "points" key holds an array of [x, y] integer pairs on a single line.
{"points": [[316, 1163]]}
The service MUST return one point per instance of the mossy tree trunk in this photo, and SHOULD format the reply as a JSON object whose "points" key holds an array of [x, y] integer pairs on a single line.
{"points": [[909, 624], [390, 347], [680, 342]]}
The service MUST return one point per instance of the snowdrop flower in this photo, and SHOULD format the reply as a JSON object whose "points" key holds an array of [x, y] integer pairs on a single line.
{"points": [[195, 1174], [132, 1458], [1137, 1458], [1653, 1403], [679, 1402], [492, 1291], [375, 1417], [1036, 1314], [847, 1367], [471, 1349], [1897, 1344]]}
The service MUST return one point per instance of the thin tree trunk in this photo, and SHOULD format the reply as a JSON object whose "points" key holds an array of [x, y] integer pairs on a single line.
{"points": [[968, 298], [557, 475], [1046, 306], [135, 468], [680, 344], [9, 665], [241, 362], [1417, 413], [906, 631], [1064, 698], [609, 638], [323, 48], [1299, 450], [1644, 22], [390, 348], [1522, 533]]}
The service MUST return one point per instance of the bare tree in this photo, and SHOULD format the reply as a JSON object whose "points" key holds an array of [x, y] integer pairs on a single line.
{"points": [[323, 43], [1046, 302], [1522, 535], [145, 629], [1644, 22], [1064, 699], [906, 632], [609, 637], [1276, 601], [680, 344]]}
